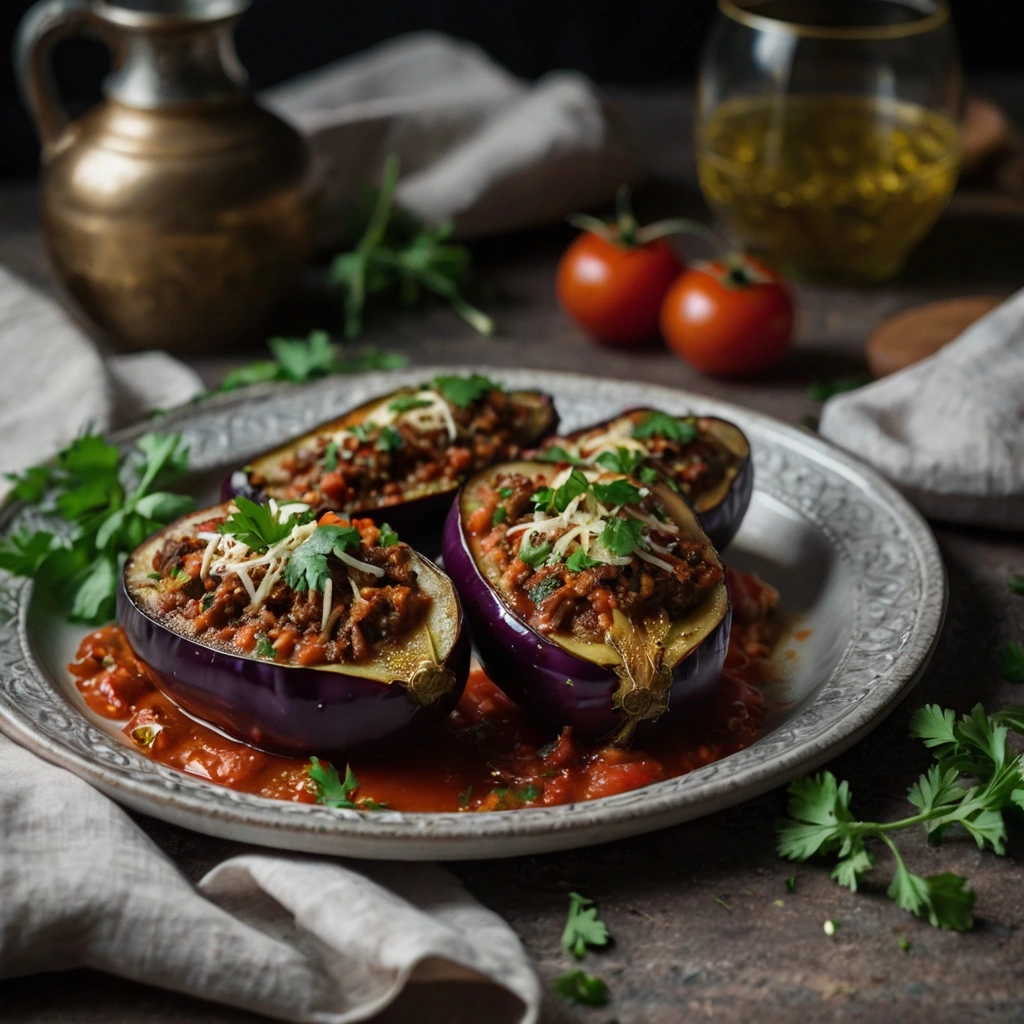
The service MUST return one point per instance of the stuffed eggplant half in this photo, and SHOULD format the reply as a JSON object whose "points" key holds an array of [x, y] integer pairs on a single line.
{"points": [[704, 458], [595, 600], [296, 635], [402, 456]]}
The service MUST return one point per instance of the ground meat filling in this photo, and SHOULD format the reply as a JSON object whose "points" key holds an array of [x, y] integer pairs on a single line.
{"points": [[377, 466], [552, 597], [289, 625]]}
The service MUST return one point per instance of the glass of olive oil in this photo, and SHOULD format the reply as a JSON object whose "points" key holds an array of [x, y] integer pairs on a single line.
{"points": [[827, 130]]}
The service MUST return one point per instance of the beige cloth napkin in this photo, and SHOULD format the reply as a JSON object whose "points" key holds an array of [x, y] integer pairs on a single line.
{"points": [[478, 146], [949, 431], [303, 939]]}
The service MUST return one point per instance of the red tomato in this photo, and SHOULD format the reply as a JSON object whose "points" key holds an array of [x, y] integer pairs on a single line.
{"points": [[612, 291], [725, 319]]}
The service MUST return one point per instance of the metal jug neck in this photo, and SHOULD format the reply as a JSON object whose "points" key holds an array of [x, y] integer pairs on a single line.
{"points": [[185, 55]]}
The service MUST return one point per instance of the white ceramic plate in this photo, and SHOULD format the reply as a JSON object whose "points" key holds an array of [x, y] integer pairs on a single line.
{"points": [[849, 555]]}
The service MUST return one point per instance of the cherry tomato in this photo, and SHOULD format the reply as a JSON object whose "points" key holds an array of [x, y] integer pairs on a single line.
{"points": [[728, 317], [614, 291]]}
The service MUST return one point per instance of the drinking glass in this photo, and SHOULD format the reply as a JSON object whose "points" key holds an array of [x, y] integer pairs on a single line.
{"points": [[827, 130]]}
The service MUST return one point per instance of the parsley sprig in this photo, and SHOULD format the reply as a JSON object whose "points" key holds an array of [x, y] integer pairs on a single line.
{"points": [[333, 791], [660, 424], [463, 391], [307, 568], [821, 821], [583, 930], [396, 254], [112, 503], [260, 527]]}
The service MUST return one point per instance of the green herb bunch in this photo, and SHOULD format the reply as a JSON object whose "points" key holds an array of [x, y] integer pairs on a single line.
{"points": [[112, 502], [583, 930], [976, 778]]}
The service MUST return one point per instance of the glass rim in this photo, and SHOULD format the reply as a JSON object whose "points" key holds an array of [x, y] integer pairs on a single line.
{"points": [[740, 11]]}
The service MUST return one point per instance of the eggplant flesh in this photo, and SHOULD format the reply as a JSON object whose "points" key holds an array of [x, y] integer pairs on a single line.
{"points": [[344, 710], [417, 510], [721, 506], [600, 689]]}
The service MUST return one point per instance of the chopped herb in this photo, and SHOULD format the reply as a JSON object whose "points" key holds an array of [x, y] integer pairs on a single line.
{"points": [[505, 492], [1013, 663], [180, 574], [362, 432], [575, 485], [331, 790], [464, 391], [207, 602], [582, 988], [542, 498], [307, 568], [660, 424], [389, 440], [617, 493], [823, 390], [465, 796], [721, 902], [534, 556], [649, 475], [500, 515], [528, 793], [791, 883], [1016, 585], [264, 648], [622, 460], [622, 536], [388, 537], [406, 403], [904, 943], [583, 927], [558, 454], [153, 576], [580, 560], [257, 526], [331, 456], [545, 588]]}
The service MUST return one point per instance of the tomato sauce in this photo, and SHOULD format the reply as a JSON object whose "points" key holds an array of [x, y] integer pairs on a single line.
{"points": [[486, 755]]}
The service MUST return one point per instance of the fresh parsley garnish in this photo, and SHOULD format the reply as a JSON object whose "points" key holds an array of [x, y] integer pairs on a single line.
{"points": [[821, 821], [649, 475], [580, 560], [504, 492], [545, 588], [575, 485], [823, 390], [406, 403], [622, 460], [331, 456], [542, 498], [264, 648], [622, 536], [500, 515], [617, 492], [388, 537], [206, 602], [259, 527], [307, 568], [558, 454], [534, 555], [112, 503], [1013, 663], [528, 793], [389, 440], [583, 927], [332, 791], [582, 988], [660, 424], [463, 391]]}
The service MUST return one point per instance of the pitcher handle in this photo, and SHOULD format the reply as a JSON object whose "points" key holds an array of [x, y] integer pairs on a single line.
{"points": [[44, 24]]}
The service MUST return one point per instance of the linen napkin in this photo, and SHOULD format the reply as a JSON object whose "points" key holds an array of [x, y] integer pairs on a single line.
{"points": [[949, 430], [299, 938], [478, 146]]}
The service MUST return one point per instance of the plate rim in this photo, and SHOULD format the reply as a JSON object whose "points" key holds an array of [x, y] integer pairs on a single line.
{"points": [[450, 835]]}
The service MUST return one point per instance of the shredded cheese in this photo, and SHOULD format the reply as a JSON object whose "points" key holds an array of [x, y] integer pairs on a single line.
{"points": [[425, 419]]}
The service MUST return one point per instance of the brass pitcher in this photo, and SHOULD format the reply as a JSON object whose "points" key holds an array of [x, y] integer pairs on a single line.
{"points": [[178, 211]]}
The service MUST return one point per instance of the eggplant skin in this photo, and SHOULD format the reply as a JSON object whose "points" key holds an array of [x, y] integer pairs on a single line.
{"points": [[418, 519], [554, 687], [281, 708]]}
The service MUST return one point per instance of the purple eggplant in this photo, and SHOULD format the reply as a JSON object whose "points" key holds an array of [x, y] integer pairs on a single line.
{"points": [[560, 680], [409, 500], [720, 495], [341, 710]]}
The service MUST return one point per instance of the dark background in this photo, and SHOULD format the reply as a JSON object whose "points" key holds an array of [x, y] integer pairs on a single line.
{"points": [[613, 41]]}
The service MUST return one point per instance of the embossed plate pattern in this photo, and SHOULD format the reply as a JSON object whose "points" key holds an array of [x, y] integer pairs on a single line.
{"points": [[856, 562]]}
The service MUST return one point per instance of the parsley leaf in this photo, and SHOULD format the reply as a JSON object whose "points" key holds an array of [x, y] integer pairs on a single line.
{"points": [[622, 460], [545, 588], [265, 648], [22, 553], [533, 555], [500, 515], [621, 536], [388, 537], [542, 498], [30, 486], [1013, 663], [307, 567], [504, 492], [582, 988], [660, 424], [463, 391], [649, 475], [331, 456], [558, 454], [617, 493], [583, 927], [575, 485], [389, 440], [257, 526], [580, 560], [333, 791], [406, 403]]}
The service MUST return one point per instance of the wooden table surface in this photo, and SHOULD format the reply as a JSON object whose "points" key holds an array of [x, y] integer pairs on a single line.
{"points": [[679, 953]]}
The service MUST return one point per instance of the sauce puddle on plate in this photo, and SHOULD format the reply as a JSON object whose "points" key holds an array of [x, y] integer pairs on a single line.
{"points": [[485, 756]]}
